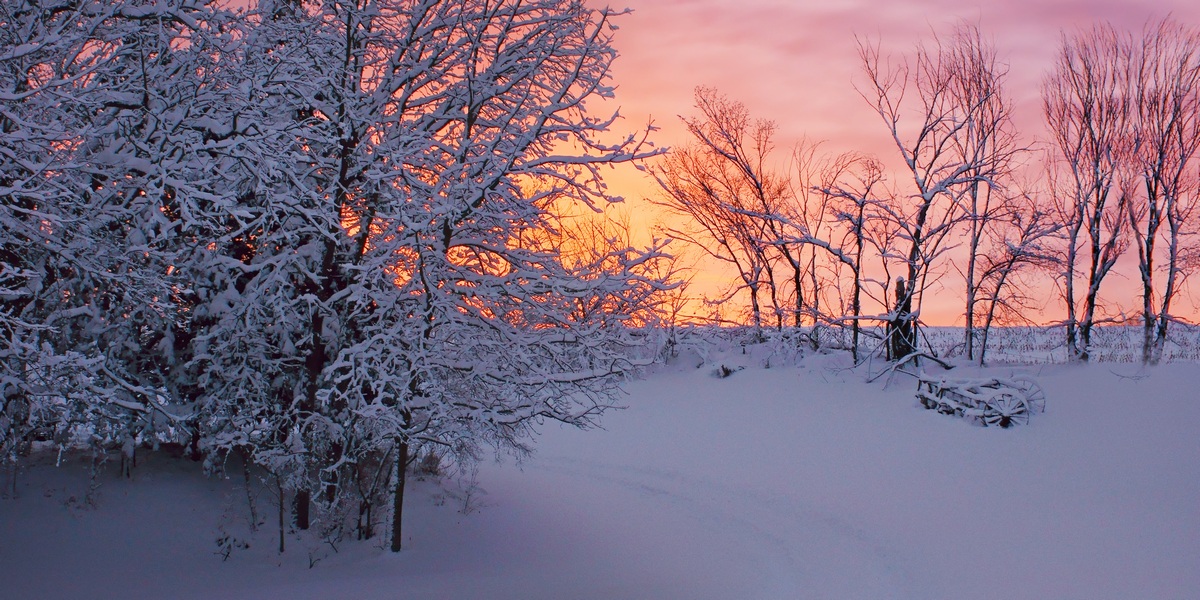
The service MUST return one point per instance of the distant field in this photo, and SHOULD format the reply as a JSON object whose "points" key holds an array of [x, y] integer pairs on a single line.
{"points": [[1006, 345], [1037, 345]]}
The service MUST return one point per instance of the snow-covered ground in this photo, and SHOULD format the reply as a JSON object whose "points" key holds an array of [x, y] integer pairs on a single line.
{"points": [[788, 482]]}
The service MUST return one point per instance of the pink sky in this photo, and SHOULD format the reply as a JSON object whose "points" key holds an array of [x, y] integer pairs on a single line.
{"points": [[795, 62]]}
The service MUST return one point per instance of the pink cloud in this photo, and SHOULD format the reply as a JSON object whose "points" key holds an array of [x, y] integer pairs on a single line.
{"points": [[795, 62]]}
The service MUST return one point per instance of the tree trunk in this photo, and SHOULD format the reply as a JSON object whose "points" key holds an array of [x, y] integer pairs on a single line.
{"points": [[903, 334], [364, 520], [854, 325], [1146, 269], [993, 302], [815, 338], [1160, 339], [972, 254], [282, 501], [969, 341], [1069, 294], [1149, 328], [398, 500], [756, 311], [774, 296], [798, 319], [249, 492], [856, 303], [300, 509]]}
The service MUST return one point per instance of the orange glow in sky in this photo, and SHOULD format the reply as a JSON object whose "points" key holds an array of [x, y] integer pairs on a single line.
{"points": [[796, 62]]}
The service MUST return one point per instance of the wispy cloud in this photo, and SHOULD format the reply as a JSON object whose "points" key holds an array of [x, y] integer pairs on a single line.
{"points": [[796, 62]]}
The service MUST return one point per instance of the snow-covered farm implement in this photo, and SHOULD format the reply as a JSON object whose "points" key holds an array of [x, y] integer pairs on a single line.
{"points": [[995, 401]]}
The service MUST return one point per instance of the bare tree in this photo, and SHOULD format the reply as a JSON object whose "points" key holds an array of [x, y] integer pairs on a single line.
{"points": [[812, 215], [601, 245], [740, 210], [1166, 109], [719, 183], [1088, 111], [987, 145], [1020, 242], [854, 182], [943, 153]]}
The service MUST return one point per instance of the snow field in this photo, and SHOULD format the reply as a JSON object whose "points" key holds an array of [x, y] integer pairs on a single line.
{"points": [[789, 482]]}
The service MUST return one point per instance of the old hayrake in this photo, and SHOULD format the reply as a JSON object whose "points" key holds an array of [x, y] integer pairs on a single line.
{"points": [[994, 401]]}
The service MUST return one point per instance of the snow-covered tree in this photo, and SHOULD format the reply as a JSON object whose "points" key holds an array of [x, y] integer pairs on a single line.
{"points": [[99, 156], [382, 298], [34, 215], [324, 236], [1021, 238]]}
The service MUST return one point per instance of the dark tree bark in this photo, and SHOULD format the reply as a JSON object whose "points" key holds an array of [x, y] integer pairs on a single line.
{"points": [[300, 512], [398, 499], [279, 489], [903, 334]]}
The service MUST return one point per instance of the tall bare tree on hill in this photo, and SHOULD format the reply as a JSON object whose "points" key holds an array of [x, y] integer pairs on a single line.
{"points": [[855, 184], [718, 184], [988, 146], [951, 149], [1166, 110], [740, 210], [1021, 243], [1088, 110]]}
